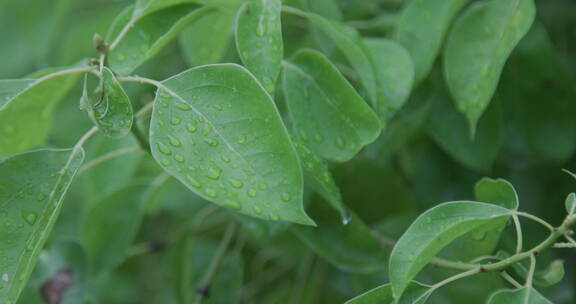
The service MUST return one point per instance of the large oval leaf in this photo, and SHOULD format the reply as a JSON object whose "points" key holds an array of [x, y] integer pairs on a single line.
{"points": [[148, 35], [259, 39], [414, 294], [216, 130], [26, 107], [112, 112], [421, 30], [328, 114], [477, 49], [32, 186], [524, 295], [432, 231], [395, 74]]}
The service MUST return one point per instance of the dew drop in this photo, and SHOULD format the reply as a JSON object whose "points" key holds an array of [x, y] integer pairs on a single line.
{"points": [[286, 197], [274, 217], [179, 158], [234, 205], [191, 127], [236, 183], [251, 192], [241, 139], [164, 149], [29, 217], [340, 142], [175, 121], [165, 162], [428, 220], [183, 107], [211, 142], [211, 192], [174, 141], [194, 182], [225, 159], [40, 196], [318, 138], [257, 210], [218, 107], [214, 172]]}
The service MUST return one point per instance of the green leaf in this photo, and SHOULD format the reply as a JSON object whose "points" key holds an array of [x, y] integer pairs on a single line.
{"points": [[32, 186], [351, 45], [484, 239], [110, 226], [148, 35], [26, 109], [432, 231], [383, 295], [328, 114], [259, 39], [524, 295], [477, 49], [570, 203], [350, 247], [144, 7], [112, 112], [395, 75], [449, 130], [317, 175], [207, 40], [552, 274], [421, 30], [216, 130], [180, 258]]}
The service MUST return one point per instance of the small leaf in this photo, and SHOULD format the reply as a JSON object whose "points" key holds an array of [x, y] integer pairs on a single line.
{"points": [[524, 295], [432, 231], [112, 112], [477, 49], [26, 107], [571, 203], [395, 75], [216, 130], [496, 191], [206, 40], [421, 30], [110, 226], [259, 39], [449, 130], [317, 175], [32, 187], [552, 274], [316, 92], [148, 35], [414, 294], [350, 247]]}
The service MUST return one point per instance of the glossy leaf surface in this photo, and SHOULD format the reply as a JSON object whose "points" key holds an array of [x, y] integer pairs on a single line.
{"points": [[32, 187], [216, 130], [432, 231], [259, 39], [477, 49], [328, 114]]}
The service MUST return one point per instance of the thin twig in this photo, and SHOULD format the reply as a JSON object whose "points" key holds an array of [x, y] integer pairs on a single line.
{"points": [[108, 156]]}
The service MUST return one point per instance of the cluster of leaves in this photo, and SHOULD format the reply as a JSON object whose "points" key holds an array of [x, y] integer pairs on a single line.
{"points": [[295, 152]]}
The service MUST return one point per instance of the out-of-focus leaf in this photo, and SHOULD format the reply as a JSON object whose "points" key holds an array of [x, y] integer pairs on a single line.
{"points": [[148, 35], [570, 203], [421, 30], [395, 74], [27, 108], [259, 39], [32, 187], [207, 39], [432, 231], [350, 247], [449, 129], [216, 130], [477, 49], [328, 114], [524, 295], [110, 225]]}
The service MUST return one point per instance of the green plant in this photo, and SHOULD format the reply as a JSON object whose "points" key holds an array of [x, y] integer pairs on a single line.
{"points": [[295, 152]]}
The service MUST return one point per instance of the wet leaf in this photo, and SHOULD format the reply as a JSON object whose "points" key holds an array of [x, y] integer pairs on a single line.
{"points": [[432, 231], [259, 39], [216, 130], [32, 187], [328, 114], [477, 49]]}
